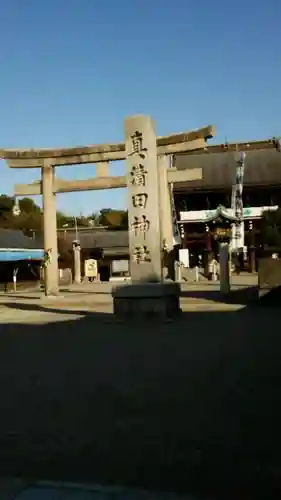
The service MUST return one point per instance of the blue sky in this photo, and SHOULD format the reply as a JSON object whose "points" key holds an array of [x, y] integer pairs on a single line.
{"points": [[71, 70]]}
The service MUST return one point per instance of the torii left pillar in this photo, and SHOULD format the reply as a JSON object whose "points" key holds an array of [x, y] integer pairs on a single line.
{"points": [[50, 230]]}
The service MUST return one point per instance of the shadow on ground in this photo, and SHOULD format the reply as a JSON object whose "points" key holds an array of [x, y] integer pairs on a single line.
{"points": [[191, 406], [30, 295], [239, 295]]}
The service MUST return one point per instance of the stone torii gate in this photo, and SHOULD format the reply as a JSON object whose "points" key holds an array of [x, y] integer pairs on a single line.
{"points": [[155, 152]]}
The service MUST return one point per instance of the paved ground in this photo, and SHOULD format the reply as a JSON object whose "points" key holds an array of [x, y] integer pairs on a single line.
{"points": [[16, 489], [191, 406]]}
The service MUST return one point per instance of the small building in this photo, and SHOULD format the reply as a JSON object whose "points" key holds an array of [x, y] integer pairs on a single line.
{"points": [[20, 256], [109, 248]]}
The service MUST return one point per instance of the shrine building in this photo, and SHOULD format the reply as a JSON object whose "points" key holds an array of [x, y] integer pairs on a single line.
{"points": [[203, 207]]}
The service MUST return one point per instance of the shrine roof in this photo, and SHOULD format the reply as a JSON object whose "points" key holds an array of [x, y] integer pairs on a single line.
{"points": [[262, 168], [100, 239], [220, 212], [15, 246], [16, 239]]}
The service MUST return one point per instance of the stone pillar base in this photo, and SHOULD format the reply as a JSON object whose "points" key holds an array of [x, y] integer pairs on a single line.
{"points": [[147, 301]]}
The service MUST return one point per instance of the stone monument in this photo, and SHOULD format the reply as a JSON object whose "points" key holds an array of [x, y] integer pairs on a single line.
{"points": [[148, 295], [77, 261], [224, 269]]}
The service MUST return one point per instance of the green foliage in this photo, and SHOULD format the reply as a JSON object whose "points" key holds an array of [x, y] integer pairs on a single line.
{"points": [[30, 219], [117, 219], [271, 228], [69, 221], [6, 204], [94, 219], [28, 206]]}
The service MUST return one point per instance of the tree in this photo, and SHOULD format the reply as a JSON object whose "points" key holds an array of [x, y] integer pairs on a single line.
{"points": [[6, 204], [271, 228], [28, 206], [117, 219], [125, 220], [94, 219], [62, 219], [29, 220], [83, 221], [31, 224], [31, 217]]}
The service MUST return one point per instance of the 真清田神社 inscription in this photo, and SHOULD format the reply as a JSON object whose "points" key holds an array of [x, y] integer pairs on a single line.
{"points": [[137, 145], [138, 175], [141, 225], [141, 254], [139, 200], [144, 224]]}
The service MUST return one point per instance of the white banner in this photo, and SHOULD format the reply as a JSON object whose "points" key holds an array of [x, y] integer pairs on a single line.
{"points": [[176, 232]]}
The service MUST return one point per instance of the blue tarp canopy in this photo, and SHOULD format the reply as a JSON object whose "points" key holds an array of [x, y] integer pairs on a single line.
{"points": [[17, 254]]}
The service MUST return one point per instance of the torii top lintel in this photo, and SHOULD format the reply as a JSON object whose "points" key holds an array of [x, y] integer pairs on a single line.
{"points": [[174, 143]]}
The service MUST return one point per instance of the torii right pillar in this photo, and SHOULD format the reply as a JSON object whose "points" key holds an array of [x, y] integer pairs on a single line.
{"points": [[224, 269], [166, 218]]}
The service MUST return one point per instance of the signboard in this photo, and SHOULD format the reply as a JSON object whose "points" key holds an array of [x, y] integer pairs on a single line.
{"points": [[176, 233], [184, 256], [120, 266], [223, 232], [91, 268]]}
